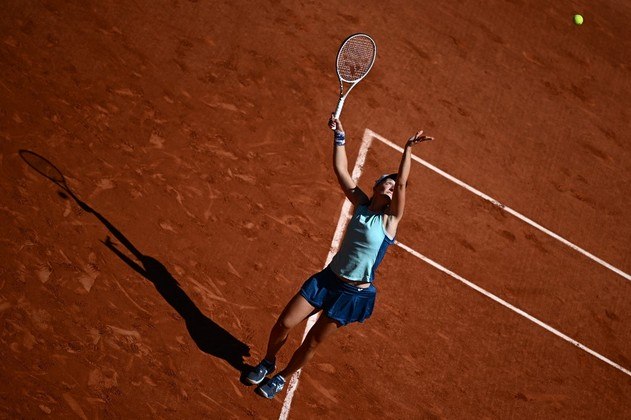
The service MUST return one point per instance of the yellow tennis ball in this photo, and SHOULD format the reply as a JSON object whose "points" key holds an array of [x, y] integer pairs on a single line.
{"points": [[578, 19]]}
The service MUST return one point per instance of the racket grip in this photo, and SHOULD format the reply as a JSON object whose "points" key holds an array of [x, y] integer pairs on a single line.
{"points": [[340, 105]]}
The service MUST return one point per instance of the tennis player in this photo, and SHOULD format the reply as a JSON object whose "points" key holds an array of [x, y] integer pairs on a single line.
{"points": [[344, 290]]}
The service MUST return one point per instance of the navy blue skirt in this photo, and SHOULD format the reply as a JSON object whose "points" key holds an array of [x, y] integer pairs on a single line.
{"points": [[339, 300]]}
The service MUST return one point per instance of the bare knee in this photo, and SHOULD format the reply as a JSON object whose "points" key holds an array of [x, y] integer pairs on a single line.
{"points": [[284, 324], [287, 321], [296, 310], [320, 333], [312, 343]]}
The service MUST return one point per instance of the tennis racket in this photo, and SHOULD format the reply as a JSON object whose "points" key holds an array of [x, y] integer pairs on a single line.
{"points": [[354, 60]]}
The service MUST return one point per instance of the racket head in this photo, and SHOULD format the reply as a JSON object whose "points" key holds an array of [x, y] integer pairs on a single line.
{"points": [[44, 167], [355, 57]]}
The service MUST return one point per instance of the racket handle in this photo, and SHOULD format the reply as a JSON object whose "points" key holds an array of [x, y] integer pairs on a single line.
{"points": [[340, 105]]}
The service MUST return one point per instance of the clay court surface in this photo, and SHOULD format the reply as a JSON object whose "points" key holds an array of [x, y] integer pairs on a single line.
{"points": [[193, 136]]}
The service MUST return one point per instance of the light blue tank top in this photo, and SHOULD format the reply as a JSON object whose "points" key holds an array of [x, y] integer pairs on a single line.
{"points": [[363, 247]]}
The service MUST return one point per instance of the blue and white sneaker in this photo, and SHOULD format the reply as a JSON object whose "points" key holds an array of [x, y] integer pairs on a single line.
{"points": [[272, 387], [260, 371]]}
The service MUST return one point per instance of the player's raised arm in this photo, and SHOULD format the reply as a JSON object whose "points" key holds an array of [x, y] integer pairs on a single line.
{"points": [[398, 197], [340, 165]]}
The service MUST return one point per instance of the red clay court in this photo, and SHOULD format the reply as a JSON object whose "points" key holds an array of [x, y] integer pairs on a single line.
{"points": [[192, 136]]}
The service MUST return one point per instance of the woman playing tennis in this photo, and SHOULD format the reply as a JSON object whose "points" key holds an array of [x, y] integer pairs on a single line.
{"points": [[344, 290]]}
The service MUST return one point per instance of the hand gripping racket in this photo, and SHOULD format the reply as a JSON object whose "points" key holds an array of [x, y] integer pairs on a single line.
{"points": [[354, 60]]}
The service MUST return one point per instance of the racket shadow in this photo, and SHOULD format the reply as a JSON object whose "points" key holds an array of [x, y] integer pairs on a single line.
{"points": [[209, 336]]}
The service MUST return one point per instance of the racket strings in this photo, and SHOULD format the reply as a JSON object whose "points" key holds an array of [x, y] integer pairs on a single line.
{"points": [[355, 58]]}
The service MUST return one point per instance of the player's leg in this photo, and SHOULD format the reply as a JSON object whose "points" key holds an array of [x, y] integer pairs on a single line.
{"points": [[322, 329], [295, 312]]}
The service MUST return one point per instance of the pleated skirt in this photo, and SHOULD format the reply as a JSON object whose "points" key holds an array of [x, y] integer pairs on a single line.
{"points": [[340, 301]]}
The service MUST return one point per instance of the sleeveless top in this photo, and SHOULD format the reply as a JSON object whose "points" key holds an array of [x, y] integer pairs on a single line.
{"points": [[363, 247]]}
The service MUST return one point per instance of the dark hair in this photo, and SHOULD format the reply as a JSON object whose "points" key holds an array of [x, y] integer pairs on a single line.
{"points": [[383, 178]]}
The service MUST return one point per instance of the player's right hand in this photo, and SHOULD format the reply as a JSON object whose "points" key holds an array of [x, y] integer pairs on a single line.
{"points": [[335, 124]]}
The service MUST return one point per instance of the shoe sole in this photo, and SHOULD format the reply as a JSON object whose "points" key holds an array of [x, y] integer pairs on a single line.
{"points": [[264, 394], [255, 382]]}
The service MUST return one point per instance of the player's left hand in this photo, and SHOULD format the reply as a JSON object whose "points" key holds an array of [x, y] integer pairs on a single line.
{"points": [[417, 138]]}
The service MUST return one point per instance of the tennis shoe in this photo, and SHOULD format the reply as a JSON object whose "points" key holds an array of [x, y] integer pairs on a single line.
{"points": [[272, 387], [260, 371]]}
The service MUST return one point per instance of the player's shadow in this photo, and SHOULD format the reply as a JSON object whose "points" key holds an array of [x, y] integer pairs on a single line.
{"points": [[209, 336]]}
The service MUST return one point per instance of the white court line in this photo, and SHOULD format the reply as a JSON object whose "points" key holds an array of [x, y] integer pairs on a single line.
{"points": [[513, 308], [345, 215], [504, 207]]}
